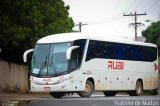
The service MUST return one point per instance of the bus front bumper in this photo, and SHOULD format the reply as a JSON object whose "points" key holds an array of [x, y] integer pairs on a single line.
{"points": [[64, 86]]}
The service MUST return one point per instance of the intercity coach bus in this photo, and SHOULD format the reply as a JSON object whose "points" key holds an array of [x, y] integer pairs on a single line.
{"points": [[81, 63]]}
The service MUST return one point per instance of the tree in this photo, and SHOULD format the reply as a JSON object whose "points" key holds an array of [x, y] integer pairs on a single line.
{"points": [[23, 22], [152, 34]]}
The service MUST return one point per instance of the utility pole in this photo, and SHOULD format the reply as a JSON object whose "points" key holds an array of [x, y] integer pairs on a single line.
{"points": [[80, 26], [135, 24]]}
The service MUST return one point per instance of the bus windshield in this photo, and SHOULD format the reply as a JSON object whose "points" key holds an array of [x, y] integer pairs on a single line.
{"points": [[50, 59]]}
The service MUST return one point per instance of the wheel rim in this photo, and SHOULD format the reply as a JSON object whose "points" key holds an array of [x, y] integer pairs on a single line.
{"points": [[87, 88], [139, 89]]}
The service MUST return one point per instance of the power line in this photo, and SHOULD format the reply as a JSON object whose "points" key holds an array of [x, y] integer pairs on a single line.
{"points": [[111, 19], [95, 23], [152, 5], [130, 6], [138, 5], [135, 24], [114, 18], [80, 24]]}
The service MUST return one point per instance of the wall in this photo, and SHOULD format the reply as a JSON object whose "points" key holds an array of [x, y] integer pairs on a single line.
{"points": [[13, 77]]}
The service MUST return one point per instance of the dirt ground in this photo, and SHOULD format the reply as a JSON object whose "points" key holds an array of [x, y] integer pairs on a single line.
{"points": [[22, 96]]}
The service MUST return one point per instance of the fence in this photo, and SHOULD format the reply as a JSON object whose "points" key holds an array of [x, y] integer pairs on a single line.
{"points": [[13, 77]]}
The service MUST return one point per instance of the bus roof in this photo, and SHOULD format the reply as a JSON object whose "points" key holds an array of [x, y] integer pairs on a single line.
{"points": [[69, 37]]}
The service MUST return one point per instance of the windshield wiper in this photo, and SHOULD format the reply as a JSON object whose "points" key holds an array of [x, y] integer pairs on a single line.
{"points": [[45, 62], [51, 60], [52, 65], [43, 66]]}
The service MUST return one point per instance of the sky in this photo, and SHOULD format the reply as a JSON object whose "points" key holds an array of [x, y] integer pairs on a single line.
{"points": [[105, 17]]}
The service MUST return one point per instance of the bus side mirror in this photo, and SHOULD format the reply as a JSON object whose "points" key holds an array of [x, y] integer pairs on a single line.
{"points": [[69, 51], [26, 53]]}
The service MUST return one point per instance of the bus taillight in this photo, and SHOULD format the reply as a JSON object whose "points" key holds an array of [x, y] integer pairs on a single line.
{"points": [[155, 67]]}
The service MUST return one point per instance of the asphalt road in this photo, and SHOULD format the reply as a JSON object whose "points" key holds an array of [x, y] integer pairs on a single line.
{"points": [[94, 100]]}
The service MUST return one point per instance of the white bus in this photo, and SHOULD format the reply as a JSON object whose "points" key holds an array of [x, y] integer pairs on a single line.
{"points": [[80, 63]]}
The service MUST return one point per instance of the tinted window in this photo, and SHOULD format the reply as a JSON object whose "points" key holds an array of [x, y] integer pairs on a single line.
{"points": [[96, 49], [111, 50], [77, 54]]}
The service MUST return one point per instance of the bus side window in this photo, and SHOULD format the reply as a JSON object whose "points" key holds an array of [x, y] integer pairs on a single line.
{"points": [[74, 60], [99, 51], [121, 51], [110, 51], [154, 50], [144, 53], [98, 48], [127, 55], [77, 54], [117, 50], [90, 51], [151, 54], [139, 53], [132, 52]]}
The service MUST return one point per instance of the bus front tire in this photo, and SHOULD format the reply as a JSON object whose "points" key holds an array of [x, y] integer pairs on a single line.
{"points": [[57, 94], [109, 93], [89, 88]]}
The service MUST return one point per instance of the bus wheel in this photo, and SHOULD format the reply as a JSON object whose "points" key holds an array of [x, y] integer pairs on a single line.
{"points": [[57, 94], [89, 88], [139, 88], [109, 93]]}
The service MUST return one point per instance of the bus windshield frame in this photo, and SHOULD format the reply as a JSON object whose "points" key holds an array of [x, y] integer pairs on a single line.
{"points": [[49, 60]]}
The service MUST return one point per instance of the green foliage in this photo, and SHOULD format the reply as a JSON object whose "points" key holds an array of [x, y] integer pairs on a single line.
{"points": [[23, 22], [152, 34]]}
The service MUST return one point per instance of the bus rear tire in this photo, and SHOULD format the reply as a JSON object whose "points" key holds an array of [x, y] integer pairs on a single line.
{"points": [[109, 93], [89, 88], [138, 89], [57, 94]]}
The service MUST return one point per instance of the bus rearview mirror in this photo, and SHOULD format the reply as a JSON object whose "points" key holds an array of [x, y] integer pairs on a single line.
{"points": [[26, 53], [69, 51]]}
